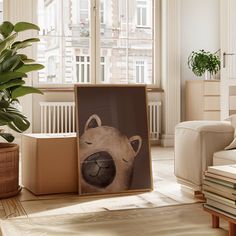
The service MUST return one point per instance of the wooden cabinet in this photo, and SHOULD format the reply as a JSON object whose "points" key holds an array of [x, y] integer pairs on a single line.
{"points": [[202, 99]]}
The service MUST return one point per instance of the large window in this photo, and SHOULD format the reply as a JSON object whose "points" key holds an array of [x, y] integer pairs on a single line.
{"points": [[102, 46]]}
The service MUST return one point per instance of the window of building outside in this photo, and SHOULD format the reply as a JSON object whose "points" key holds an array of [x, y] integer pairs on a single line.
{"points": [[1, 11], [68, 30], [142, 11], [140, 71]]}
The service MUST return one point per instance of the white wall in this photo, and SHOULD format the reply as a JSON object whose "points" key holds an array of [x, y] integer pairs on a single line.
{"points": [[200, 29]]}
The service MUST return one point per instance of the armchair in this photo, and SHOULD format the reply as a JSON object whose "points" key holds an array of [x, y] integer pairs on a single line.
{"points": [[195, 144]]}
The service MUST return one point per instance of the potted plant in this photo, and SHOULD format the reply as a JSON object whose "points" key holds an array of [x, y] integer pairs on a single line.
{"points": [[203, 62], [14, 67]]}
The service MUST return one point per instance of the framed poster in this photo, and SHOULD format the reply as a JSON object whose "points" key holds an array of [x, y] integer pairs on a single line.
{"points": [[113, 139]]}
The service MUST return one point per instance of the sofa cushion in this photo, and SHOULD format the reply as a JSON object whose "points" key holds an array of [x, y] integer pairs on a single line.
{"points": [[226, 157], [232, 120], [232, 145], [206, 126]]}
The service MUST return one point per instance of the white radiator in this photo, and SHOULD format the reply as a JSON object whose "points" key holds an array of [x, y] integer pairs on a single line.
{"points": [[154, 117], [59, 117]]}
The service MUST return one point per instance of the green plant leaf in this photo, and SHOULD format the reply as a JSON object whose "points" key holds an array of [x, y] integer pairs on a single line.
{"points": [[3, 122], [6, 28], [8, 137], [202, 61], [23, 90], [7, 42], [6, 117], [30, 67], [14, 110], [4, 104], [21, 45], [5, 54], [6, 76], [10, 63], [20, 123], [28, 60], [12, 83], [31, 40], [25, 43], [22, 26], [13, 69]]}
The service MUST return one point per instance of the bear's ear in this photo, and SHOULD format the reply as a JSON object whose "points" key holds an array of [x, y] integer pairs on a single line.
{"points": [[136, 143], [93, 122]]}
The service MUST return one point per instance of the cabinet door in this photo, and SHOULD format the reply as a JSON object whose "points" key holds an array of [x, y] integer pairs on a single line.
{"points": [[211, 103], [194, 100], [211, 88], [211, 115]]}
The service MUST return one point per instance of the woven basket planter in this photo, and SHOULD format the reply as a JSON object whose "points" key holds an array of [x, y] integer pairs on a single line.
{"points": [[9, 170]]}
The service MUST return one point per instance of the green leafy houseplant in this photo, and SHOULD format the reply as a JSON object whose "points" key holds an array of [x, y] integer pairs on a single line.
{"points": [[14, 67], [201, 62]]}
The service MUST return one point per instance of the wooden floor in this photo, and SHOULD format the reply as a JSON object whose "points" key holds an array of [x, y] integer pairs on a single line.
{"points": [[166, 192], [67, 207]]}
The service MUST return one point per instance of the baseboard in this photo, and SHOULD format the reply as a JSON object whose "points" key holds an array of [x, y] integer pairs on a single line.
{"points": [[155, 142], [167, 140]]}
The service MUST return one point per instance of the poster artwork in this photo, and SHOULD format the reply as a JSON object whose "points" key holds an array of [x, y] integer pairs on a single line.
{"points": [[113, 139], [107, 157]]}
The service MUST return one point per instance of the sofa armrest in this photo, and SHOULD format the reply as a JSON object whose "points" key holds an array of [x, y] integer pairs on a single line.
{"points": [[195, 144]]}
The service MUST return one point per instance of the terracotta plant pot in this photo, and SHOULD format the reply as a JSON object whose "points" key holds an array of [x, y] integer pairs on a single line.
{"points": [[9, 170]]}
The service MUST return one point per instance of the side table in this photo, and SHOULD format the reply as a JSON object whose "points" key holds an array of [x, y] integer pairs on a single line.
{"points": [[216, 220]]}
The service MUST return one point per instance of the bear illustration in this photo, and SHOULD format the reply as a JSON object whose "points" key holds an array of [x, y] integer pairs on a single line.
{"points": [[106, 157]]}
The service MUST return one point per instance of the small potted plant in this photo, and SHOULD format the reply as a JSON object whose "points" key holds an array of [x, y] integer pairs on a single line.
{"points": [[203, 62], [14, 67]]}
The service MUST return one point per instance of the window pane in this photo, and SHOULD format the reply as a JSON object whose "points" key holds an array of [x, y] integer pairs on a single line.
{"points": [[122, 42], [144, 17], [77, 72], [88, 74], [115, 55], [65, 34], [82, 74], [140, 55]]}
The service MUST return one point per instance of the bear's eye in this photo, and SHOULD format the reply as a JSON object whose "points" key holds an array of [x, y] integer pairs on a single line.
{"points": [[89, 143], [124, 160]]}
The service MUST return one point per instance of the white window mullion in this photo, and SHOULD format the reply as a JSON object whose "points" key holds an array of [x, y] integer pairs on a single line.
{"points": [[93, 40], [85, 70], [98, 43]]}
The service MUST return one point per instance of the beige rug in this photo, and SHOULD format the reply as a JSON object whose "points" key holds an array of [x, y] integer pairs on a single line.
{"points": [[185, 220]]}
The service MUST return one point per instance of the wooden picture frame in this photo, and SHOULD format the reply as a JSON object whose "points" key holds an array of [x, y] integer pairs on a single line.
{"points": [[112, 139]]}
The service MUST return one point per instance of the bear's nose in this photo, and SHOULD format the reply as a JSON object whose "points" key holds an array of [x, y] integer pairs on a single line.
{"points": [[99, 169]]}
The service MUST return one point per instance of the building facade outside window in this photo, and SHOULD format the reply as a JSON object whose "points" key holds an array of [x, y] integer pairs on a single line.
{"points": [[124, 34]]}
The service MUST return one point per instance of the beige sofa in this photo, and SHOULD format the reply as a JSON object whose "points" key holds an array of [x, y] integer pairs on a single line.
{"points": [[199, 144]]}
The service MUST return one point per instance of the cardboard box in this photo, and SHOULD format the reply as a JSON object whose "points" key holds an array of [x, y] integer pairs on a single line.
{"points": [[49, 163]]}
